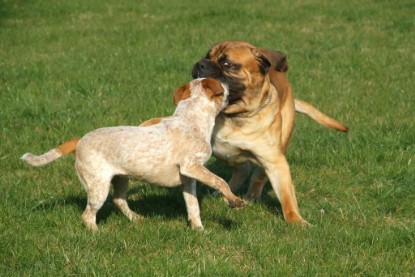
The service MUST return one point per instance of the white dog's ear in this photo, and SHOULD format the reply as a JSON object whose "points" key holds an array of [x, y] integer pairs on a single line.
{"points": [[276, 59], [181, 93], [213, 85]]}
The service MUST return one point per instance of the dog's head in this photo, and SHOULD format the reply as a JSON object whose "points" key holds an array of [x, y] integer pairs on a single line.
{"points": [[211, 88], [243, 67]]}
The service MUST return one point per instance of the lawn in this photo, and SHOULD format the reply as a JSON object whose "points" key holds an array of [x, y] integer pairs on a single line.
{"points": [[68, 67]]}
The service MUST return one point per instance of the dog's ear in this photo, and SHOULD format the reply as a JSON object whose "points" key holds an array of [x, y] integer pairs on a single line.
{"points": [[181, 93], [213, 85], [277, 60]]}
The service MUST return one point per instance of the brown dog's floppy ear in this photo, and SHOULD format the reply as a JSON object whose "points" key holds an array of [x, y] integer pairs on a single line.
{"points": [[181, 93], [213, 85], [277, 59]]}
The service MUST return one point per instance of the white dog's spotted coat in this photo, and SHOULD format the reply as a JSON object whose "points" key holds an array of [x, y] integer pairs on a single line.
{"points": [[170, 153]]}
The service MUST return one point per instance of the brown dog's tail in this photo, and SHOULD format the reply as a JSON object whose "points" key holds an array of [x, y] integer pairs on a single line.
{"points": [[52, 155], [319, 117]]}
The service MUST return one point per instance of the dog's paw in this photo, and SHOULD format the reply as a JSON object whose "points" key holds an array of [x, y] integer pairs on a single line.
{"points": [[198, 228], [136, 217], [91, 227], [237, 203], [297, 221], [305, 224]]}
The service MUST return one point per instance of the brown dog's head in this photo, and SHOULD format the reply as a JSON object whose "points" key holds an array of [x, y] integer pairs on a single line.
{"points": [[243, 68]]}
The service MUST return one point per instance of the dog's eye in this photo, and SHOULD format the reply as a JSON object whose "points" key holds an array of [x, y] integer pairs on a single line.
{"points": [[231, 66]]}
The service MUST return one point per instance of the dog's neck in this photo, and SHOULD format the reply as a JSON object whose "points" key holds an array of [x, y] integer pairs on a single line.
{"points": [[202, 118], [266, 103], [244, 116]]}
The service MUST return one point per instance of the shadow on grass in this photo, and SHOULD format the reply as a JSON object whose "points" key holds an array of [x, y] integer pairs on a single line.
{"points": [[224, 171], [271, 203], [168, 204]]}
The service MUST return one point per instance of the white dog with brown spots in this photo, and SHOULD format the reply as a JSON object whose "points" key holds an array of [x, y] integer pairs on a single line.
{"points": [[170, 154]]}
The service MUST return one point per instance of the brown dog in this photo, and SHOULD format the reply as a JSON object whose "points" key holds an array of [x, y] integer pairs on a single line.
{"points": [[257, 125]]}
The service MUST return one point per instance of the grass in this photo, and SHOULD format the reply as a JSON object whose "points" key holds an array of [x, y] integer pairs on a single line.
{"points": [[67, 67]]}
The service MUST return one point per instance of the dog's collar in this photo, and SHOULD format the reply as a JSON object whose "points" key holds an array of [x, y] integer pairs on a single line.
{"points": [[248, 114], [266, 103]]}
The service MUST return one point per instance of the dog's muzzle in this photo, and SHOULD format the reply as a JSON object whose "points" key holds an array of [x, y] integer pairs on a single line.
{"points": [[205, 69]]}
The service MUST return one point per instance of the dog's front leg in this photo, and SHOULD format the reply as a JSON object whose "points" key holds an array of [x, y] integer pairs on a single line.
{"points": [[192, 205], [203, 175], [120, 184], [279, 174]]}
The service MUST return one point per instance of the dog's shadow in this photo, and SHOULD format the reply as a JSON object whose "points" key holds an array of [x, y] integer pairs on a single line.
{"points": [[144, 199], [166, 203], [148, 202]]}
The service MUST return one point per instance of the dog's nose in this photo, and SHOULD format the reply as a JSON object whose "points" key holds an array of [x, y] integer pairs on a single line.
{"points": [[200, 68], [201, 65]]}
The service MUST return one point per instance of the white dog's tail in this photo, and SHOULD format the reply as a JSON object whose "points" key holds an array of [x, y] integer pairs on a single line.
{"points": [[54, 154]]}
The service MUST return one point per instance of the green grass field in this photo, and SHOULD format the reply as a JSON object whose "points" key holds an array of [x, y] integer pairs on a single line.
{"points": [[68, 67]]}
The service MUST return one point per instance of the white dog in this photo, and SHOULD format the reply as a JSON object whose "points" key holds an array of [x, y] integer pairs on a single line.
{"points": [[170, 153]]}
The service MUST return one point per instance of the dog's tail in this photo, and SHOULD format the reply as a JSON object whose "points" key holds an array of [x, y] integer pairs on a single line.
{"points": [[319, 117], [54, 154]]}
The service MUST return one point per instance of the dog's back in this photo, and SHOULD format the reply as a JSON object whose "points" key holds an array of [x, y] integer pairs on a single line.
{"points": [[154, 153]]}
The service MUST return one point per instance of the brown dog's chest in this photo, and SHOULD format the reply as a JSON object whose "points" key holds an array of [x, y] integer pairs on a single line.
{"points": [[256, 139], [233, 152], [236, 145]]}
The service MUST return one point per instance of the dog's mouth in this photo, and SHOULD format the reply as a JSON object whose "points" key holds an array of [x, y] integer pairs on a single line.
{"points": [[236, 89]]}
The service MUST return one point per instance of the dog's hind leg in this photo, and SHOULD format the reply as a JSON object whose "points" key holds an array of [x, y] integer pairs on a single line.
{"points": [[120, 184], [239, 175], [97, 188], [258, 180], [192, 205]]}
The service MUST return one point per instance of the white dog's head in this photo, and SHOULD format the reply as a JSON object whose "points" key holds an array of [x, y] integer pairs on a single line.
{"points": [[208, 88]]}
